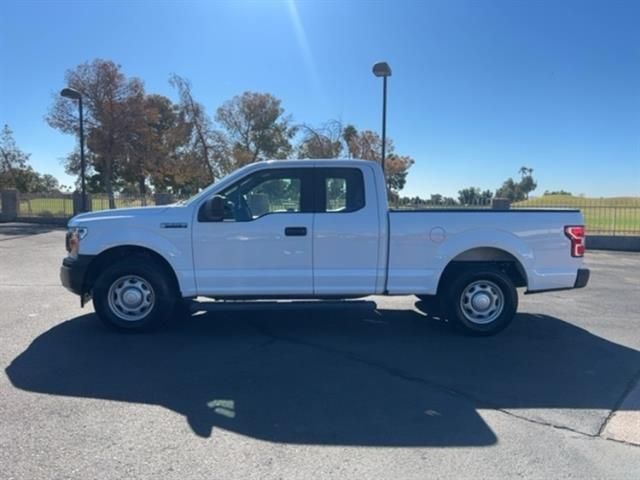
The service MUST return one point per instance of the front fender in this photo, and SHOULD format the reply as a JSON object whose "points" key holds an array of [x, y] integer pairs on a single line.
{"points": [[171, 244]]}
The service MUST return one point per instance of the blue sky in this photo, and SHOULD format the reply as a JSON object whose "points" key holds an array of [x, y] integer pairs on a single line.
{"points": [[479, 88]]}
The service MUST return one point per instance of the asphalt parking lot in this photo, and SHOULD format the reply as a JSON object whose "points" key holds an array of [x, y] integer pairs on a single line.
{"points": [[362, 389]]}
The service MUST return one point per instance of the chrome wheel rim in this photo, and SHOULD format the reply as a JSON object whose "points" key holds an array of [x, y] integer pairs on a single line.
{"points": [[131, 298], [482, 302]]}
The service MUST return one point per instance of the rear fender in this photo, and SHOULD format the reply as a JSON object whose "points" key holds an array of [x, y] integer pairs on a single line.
{"points": [[496, 239]]}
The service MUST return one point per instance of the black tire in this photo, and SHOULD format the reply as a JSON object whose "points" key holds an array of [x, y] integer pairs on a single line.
{"points": [[469, 289], [144, 278]]}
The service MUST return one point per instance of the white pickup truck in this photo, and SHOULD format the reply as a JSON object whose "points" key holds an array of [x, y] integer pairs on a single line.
{"points": [[317, 229]]}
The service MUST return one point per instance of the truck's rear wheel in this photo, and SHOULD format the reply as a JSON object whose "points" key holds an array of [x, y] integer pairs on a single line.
{"points": [[481, 302], [134, 294]]}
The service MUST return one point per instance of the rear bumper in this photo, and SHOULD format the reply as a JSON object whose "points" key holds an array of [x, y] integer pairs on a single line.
{"points": [[73, 272], [582, 278]]}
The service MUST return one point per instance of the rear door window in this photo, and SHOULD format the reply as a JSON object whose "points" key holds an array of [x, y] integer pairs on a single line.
{"points": [[339, 190]]}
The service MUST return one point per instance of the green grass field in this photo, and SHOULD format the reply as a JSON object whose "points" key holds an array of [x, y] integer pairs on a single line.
{"points": [[617, 215], [571, 201]]}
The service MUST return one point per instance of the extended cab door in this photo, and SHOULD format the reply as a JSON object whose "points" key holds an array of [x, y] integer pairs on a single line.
{"points": [[346, 234], [264, 244]]}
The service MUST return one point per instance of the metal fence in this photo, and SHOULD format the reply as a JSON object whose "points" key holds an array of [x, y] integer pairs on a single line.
{"points": [[60, 205], [415, 204], [101, 202], [603, 216], [55, 205]]}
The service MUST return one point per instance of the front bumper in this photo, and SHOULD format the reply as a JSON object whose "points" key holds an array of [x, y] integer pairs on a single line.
{"points": [[73, 272]]}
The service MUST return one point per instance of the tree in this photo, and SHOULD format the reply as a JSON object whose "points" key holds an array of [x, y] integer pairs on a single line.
{"points": [[509, 189], [518, 191], [486, 196], [474, 196], [368, 145], [396, 171], [94, 180], [171, 163], [15, 172], [527, 185], [160, 152], [46, 183], [435, 199], [107, 99], [525, 171], [348, 136], [469, 196], [322, 142], [12, 159], [200, 123], [255, 127], [557, 192], [138, 145]]}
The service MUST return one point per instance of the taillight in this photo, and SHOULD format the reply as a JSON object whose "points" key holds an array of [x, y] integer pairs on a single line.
{"points": [[576, 235]]}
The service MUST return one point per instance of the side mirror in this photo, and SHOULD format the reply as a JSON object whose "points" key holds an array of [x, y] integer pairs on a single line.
{"points": [[212, 210]]}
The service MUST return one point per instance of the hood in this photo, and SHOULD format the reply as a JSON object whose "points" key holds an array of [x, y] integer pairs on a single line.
{"points": [[117, 214]]}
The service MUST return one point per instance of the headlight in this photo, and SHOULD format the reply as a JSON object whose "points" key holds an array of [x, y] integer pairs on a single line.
{"points": [[73, 237], [80, 231]]}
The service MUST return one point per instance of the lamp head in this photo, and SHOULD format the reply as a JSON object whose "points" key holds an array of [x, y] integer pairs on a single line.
{"points": [[382, 69], [70, 93]]}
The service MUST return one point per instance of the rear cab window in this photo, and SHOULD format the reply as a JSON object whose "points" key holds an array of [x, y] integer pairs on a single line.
{"points": [[339, 190]]}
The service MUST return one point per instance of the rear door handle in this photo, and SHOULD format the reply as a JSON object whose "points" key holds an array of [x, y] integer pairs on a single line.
{"points": [[295, 231]]}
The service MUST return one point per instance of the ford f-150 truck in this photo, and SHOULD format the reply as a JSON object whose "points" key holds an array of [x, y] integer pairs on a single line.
{"points": [[317, 229]]}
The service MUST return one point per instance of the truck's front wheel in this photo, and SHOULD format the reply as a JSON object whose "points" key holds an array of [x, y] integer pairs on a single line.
{"points": [[481, 302], [134, 294]]}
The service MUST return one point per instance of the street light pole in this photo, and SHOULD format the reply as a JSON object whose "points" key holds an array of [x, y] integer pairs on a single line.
{"points": [[382, 69], [83, 185], [384, 121], [75, 95]]}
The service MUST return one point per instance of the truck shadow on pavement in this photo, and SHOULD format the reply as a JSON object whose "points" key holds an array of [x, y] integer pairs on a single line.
{"points": [[347, 374]]}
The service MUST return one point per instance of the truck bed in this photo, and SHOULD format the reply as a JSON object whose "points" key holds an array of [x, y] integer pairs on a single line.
{"points": [[423, 242]]}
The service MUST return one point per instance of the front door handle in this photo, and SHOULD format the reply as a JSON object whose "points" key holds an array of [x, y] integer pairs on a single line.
{"points": [[295, 231]]}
